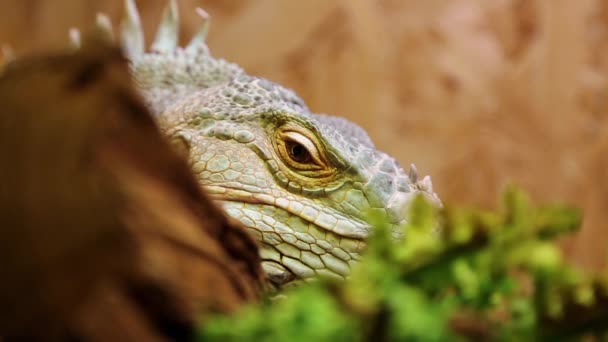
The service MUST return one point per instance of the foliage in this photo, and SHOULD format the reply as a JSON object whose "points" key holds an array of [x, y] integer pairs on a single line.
{"points": [[461, 274]]}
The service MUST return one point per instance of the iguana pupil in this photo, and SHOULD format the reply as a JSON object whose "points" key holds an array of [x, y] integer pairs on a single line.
{"points": [[298, 152]]}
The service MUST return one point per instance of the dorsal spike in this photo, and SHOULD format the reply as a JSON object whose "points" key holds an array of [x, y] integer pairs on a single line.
{"points": [[413, 173], [201, 34], [167, 35], [132, 36], [104, 26], [75, 40], [427, 184]]}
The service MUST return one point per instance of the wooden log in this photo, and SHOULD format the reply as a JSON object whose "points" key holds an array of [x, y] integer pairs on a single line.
{"points": [[104, 232]]}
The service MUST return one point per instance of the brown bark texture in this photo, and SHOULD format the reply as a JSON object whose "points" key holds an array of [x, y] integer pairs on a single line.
{"points": [[105, 234]]}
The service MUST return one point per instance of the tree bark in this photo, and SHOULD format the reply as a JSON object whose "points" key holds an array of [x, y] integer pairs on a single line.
{"points": [[104, 233]]}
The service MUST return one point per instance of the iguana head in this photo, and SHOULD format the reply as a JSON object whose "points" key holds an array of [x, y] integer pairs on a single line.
{"points": [[303, 183]]}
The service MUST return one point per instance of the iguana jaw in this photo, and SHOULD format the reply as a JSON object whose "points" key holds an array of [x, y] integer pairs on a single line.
{"points": [[299, 238], [294, 248]]}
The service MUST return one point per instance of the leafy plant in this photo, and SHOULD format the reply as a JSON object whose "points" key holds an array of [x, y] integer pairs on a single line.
{"points": [[458, 274]]}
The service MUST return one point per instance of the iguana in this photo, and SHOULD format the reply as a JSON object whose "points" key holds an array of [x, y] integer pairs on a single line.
{"points": [[302, 183]]}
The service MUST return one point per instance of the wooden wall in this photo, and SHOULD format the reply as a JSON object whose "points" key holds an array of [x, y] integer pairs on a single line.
{"points": [[477, 93]]}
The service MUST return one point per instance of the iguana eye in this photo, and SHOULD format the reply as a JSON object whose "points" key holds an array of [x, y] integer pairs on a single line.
{"points": [[299, 151]]}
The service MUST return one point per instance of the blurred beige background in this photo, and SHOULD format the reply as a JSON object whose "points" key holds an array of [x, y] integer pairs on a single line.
{"points": [[477, 93]]}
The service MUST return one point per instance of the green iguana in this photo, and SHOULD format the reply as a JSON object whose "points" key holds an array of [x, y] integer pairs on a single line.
{"points": [[303, 183]]}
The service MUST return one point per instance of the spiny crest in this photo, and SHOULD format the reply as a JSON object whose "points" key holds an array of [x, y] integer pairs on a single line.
{"points": [[168, 72]]}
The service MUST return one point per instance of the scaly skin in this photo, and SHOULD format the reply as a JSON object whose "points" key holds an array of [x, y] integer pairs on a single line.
{"points": [[303, 183]]}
